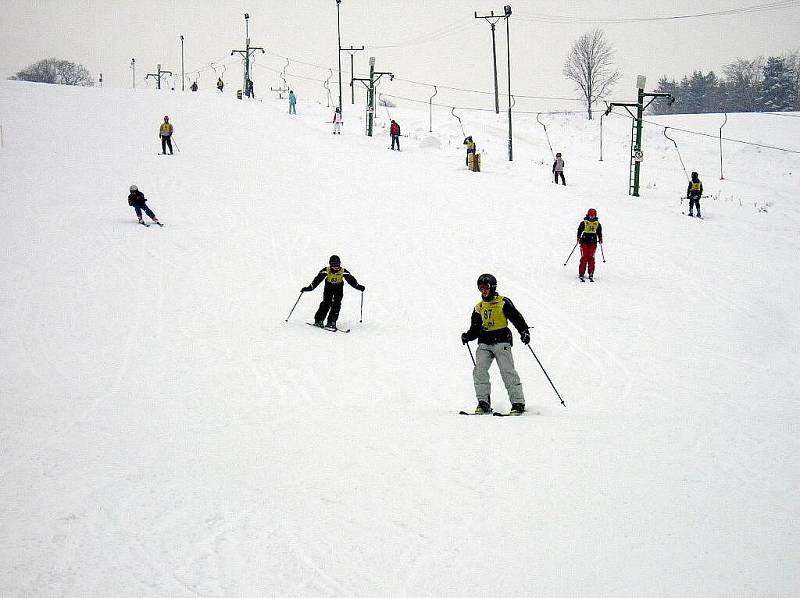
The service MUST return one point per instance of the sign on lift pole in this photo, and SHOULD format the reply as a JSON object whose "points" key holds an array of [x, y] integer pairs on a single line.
{"points": [[636, 136]]}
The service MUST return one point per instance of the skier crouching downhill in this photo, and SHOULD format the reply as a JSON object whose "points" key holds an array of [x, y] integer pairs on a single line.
{"points": [[489, 324], [137, 201], [334, 276]]}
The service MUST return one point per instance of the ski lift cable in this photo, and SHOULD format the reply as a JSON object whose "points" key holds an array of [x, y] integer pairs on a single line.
{"points": [[732, 140]]}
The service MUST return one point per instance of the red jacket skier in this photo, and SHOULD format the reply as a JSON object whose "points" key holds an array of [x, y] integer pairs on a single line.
{"points": [[394, 131], [590, 233]]}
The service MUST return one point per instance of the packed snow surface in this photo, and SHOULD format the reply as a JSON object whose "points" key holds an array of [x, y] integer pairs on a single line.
{"points": [[165, 432]]}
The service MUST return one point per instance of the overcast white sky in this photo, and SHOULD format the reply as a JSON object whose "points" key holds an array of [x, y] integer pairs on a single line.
{"points": [[105, 35]]}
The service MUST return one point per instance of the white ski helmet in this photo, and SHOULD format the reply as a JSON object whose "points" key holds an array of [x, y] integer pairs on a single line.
{"points": [[134, 188]]}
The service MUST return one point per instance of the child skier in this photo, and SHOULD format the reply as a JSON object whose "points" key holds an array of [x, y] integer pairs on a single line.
{"points": [[292, 102], [590, 233], [165, 132], [394, 131], [693, 193], [489, 324], [334, 275], [137, 201], [337, 122], [220, 84], [558, 170], [470, 147]]}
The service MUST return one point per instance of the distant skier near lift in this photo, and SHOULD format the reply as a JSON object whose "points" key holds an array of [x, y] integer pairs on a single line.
{"points": [[590, 233], [137, 201], [693, 193], [470, 147], [394, 132], [337, 122], [558, 169], [489, 324], [334, 276]]}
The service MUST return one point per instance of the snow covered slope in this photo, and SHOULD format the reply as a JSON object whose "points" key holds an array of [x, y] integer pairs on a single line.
{"points": [[164, 432]]}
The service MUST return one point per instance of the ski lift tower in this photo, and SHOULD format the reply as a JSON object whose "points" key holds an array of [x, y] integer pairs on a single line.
{"points": [[374, 76], [636, 128]]}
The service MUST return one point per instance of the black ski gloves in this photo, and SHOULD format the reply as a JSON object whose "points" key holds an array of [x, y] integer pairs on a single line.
{"points": [[307, 289], [464, 338], [525, 337], [360, 287]]}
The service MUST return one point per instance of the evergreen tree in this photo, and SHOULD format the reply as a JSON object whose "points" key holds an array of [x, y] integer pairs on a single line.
{"points": [[665, 86], [777, 87]]}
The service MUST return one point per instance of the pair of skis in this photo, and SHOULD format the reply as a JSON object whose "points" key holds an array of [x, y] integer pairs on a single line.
{"points": [[345, 330], [498, 414], [148, 226]]}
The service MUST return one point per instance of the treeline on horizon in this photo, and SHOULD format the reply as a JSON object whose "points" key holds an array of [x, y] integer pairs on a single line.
{"points": [[757, 85]]}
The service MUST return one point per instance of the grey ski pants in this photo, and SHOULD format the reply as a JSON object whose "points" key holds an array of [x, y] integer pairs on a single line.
{"points": [[505, 361]]}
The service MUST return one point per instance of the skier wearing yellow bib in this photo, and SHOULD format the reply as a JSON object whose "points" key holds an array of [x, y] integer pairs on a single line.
{"points": [[693, 193], [489, 324], [334, 276]]}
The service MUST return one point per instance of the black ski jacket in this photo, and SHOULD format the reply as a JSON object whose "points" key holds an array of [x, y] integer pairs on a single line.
{"points": [[503, 335], [351, 280], [136, 199], [590, 238]]}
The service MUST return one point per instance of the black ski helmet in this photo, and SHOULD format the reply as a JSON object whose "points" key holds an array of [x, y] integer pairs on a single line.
{"points": [[335, 261], [488, 279]]}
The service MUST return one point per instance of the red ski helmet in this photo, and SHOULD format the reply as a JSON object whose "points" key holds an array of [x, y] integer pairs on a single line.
{"points": [[592, 213]]}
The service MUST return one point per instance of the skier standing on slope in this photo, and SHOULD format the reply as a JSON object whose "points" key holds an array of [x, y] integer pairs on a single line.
{"points": [[693, 193], [394, 131], [558, 169], [590, 233], [292, 102], [470, 147], [489, 324], [334, 276], [337, 122], [165, 132], [137, 201], [220, 84]]}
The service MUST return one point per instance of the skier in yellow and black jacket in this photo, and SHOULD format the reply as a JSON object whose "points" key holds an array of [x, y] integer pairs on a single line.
{"points": [[334, 276], [693, 193], [489, 324]]}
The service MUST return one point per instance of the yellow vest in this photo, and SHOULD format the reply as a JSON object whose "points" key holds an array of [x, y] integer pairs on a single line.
{"points": [[491, 313], [166, 129], [334, 277], [471, 146], [696, 186], [590, 227]]}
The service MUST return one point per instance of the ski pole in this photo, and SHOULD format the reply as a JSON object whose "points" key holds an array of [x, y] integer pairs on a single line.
{"points": [[548, 377], [361, 316], [470, 354], [603, 254], [295, 305], [571, 252], [175, 143]]}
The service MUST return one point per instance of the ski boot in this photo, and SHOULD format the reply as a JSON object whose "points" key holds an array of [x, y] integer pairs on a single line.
{"points": [[517, 409], [330, 325], [581, 277], [483, 408], [318, 323], [591, 277]]}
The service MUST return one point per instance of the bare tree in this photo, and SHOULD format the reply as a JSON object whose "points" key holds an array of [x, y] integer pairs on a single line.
{"points": [[52, 70], [744, 78], [590, 66]]}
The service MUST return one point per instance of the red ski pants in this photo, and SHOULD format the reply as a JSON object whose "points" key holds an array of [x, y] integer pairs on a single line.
{"points": [[587, 257]]}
